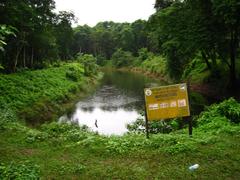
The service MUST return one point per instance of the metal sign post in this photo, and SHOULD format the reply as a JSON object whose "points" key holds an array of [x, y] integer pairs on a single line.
{"points": [[189, 118], [146, 121]]}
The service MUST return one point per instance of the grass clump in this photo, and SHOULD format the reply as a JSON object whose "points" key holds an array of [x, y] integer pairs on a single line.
{"points": [[23, 170]]}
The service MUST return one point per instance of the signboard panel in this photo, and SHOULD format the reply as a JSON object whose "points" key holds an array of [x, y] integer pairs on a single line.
{"points": [[167, 102]]}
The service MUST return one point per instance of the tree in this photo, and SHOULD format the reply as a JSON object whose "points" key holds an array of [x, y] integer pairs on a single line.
{"points": [[64, 33], [140, 35], [208, 27], [31, 18], [82, 42], [162, 4], [229, 16], [90, 64]]}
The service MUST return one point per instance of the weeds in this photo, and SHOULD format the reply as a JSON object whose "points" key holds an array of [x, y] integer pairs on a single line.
{"points": [[22, 170]]}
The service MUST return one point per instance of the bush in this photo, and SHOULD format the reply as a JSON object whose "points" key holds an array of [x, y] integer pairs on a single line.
{"points": [[89, 62], [144, 54], [122, 58], [220, 117], [163, 126], [230, 109], [156, 64], [75, 72]]}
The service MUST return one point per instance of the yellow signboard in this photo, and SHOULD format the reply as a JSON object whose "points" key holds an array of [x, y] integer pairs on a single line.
{"points": [[167, 102]]}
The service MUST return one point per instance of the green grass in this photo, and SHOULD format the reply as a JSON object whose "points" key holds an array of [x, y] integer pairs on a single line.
{"points": [[40, 95], [23, 89], [63, 151]]}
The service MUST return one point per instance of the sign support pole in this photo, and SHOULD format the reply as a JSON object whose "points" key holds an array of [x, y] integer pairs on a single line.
{"points": [[146, 123], [189, 119], [146, 118], [190, 126]]}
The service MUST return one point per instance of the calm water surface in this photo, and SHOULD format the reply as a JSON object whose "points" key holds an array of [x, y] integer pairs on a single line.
{"points": [[116, 103]]}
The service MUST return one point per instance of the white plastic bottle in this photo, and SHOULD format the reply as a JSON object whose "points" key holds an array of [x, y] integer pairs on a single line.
{"points": [[193, 167]]}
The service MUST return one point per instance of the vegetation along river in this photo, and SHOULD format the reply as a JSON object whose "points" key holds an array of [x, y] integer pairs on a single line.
{"points": [[117, 102]]}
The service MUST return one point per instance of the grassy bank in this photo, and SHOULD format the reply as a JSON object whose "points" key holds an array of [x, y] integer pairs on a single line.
{"points": [[42, 94], [63, 151]]}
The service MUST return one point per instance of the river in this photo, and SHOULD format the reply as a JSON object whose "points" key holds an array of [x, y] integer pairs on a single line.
{"points": [[115, 103]]}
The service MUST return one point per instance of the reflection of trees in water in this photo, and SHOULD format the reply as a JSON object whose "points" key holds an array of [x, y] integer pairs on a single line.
{"points": [[130, 83], [109, 108], [136, 105], [88, 109]]}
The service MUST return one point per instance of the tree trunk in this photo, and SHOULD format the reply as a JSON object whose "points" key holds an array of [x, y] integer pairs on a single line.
{"points": [[16, 58], [233, 52], [206, 60], [24, 57], [214, 59], [32, 56]]}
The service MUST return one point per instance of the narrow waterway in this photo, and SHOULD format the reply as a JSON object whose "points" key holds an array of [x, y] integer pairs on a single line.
{"points": [[116, 103]]}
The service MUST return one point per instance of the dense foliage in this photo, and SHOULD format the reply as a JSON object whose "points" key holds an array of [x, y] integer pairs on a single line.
{"points": [[179, 31], [188, 28], [40, 33]]}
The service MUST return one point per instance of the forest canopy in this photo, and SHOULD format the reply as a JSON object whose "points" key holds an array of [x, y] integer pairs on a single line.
{"points": [[32, 34]]}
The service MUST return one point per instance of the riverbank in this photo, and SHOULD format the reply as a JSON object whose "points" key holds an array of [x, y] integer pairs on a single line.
{"points": [[42, 95], [63, 151], [198, 86]]}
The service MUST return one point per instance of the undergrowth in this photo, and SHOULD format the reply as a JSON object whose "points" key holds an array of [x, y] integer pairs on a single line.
{"points": [[22, 89]]}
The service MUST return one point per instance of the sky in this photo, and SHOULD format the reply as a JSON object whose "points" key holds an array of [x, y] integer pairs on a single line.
{"points": [[91, 12]]}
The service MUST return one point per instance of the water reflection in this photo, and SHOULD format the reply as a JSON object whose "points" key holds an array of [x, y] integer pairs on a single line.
{"points": [[108, 122], [114, 104]]}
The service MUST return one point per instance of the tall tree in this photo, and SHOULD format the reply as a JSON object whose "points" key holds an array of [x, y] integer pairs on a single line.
{"points": [[29, 17], [64, 33]]}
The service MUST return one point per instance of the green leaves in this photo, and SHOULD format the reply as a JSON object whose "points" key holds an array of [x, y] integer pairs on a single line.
{"points": [[89, 63], [21, 171], [75, 72], [122, 58], [4, 32], [219, 118]]}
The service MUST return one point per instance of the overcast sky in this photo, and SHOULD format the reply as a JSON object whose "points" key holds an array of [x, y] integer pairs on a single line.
{"points": [[91, 12]]}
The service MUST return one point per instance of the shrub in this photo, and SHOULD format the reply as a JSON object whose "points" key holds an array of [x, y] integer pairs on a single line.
{"points": [[89, 62], [163, 126], [156, 64], [74, 72], [230, 109], [220, 118], [144, 54], [122, 58]]}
